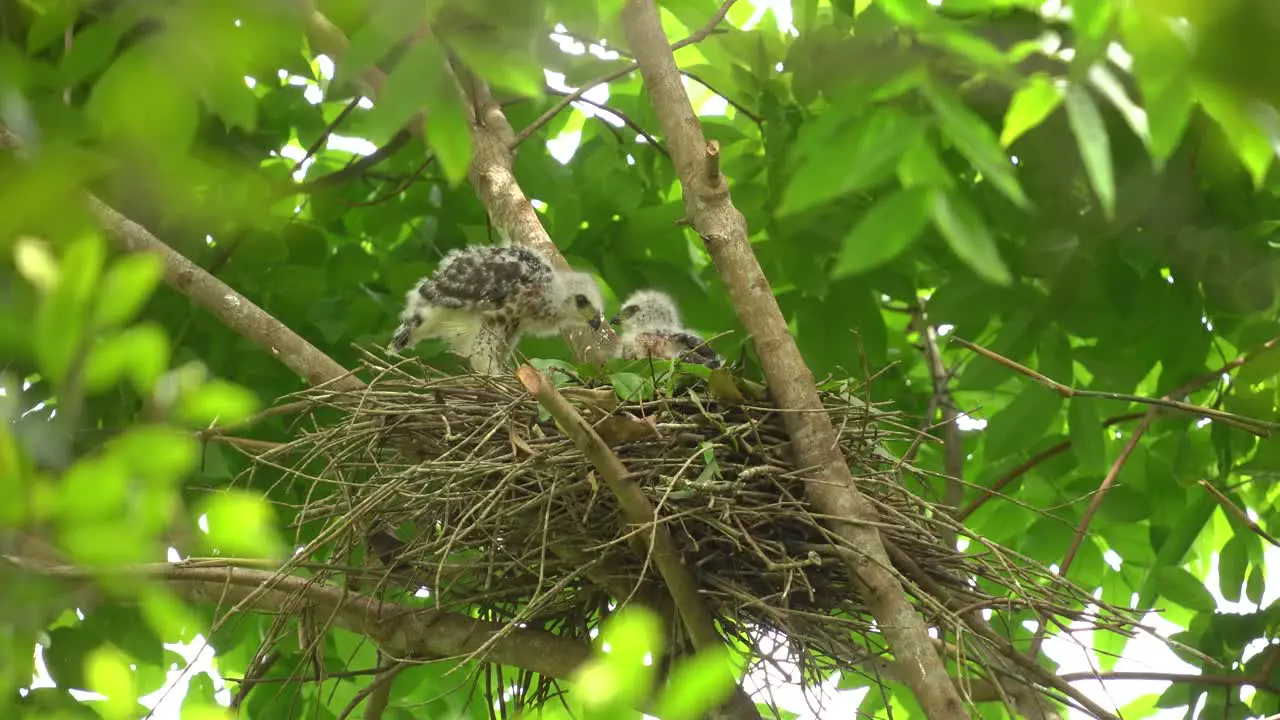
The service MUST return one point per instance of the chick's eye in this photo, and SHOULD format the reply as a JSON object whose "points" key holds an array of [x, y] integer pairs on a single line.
{"points": [[582, 301]]}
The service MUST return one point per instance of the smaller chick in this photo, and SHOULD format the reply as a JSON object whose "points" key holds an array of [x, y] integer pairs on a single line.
{"points": [[649, 327]]}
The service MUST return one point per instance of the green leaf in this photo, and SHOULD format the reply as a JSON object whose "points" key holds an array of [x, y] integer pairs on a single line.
{"points": [[975, 139], [1095, 146], [884, 232], [1256, 585], [138, 100], [630, 386], [140, 352], [1252, 146], [966, 233], [107, 671], [1185, 589], [843, 161], [1030, 106], [155, 453], [91, 50], [697, 685], [1087, 435], [217, 402], [242, 523], [1233, 563], [126, 287], [1022, 423], [94, 487]]}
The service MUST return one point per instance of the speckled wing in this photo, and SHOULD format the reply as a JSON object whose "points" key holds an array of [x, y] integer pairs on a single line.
{"points": [[692, 349], [483, 279]]}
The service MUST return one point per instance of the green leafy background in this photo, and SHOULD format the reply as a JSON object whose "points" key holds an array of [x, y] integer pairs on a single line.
{"points": [[1069, 186]]}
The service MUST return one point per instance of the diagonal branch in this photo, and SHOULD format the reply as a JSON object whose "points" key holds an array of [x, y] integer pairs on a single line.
{"points": [[230, 307], [712, 213], [697, 619]]}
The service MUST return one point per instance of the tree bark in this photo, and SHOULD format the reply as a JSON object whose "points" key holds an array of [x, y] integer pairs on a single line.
{"points": [[712, 213]]}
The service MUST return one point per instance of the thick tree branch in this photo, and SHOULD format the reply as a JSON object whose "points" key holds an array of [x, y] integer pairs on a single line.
{"points": [[833, 492], [230, 307], [401, 631], [697, 619]]}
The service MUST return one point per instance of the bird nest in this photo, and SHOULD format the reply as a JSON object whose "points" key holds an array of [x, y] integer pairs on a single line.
{"points": [[466, 486]]}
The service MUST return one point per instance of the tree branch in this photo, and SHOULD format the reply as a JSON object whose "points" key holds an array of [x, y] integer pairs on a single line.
{"points": [[648, 136], [399, 630], [697, 619], [712, 213], [1234, 510], [230, 307]]}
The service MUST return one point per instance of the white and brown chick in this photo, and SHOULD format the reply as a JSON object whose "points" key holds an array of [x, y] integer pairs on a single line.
{"points": [[483, 298]]}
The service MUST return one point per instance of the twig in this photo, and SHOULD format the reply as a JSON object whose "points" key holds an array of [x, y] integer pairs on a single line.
{"points": [[1239, 514], [378, 692], [315, 146], [743, 109], [833, 490], [684, 591], [952, 450], [1257, 427], [356, 168], [648, 136], [261, 666], [1045, 455], [697, 37], [1261, 681], [1193, 385], [712, 167]]}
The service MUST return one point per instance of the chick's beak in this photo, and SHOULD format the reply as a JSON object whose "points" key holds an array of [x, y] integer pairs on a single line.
{"points": [[595, 321], [615, 320]]}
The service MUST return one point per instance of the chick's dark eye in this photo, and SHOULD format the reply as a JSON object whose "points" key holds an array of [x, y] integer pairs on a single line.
{"points": [[582, 301]]}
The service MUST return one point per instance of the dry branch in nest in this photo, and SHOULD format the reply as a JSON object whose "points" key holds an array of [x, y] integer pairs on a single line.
{"points": [[465, 486]]}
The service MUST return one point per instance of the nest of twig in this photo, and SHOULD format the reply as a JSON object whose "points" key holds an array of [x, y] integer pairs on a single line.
{"points": [[464, 485]]}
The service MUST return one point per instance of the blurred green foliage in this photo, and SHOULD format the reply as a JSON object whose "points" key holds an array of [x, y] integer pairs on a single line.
{"points": [[1086, 188]]}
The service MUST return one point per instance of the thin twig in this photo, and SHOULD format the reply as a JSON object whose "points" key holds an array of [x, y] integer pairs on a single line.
{"points": [[319, 142], [648, 136], [1239, 514], [952, 450], [357, 168], [1257, 427], [998, 486], [697, 37]]}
